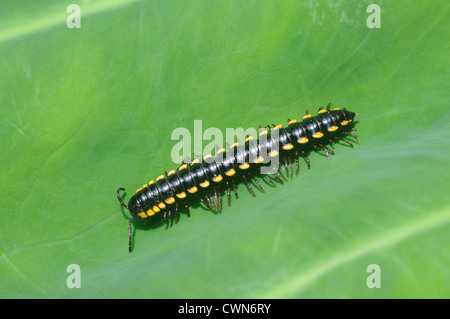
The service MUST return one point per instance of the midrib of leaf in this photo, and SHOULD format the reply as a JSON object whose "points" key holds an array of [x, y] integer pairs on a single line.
{"points": [[41, 22], [298, 282]]}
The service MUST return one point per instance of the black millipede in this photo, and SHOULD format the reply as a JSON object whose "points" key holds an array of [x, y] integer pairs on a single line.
{"points": [[204, 179]]}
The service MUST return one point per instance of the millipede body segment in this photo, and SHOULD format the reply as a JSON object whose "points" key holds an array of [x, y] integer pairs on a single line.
{"points": [[204, 179]]}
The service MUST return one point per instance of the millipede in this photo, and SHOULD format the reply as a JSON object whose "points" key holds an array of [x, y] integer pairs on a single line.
{"points": [[203, 180]]}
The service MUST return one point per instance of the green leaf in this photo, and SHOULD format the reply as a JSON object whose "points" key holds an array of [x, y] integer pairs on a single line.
{"points": [[87, 110]]}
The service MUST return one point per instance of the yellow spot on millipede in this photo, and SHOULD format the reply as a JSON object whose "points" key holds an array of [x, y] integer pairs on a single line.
{"points": [[249, 138], [217, 178], [336, 109], [332, 128], [318, 135], [259, 160], [244, 165], [181, 195], [273, 153], [288, 147], [170, 200], [193, 189], [151, 182], [345, 122], [221, 151], [263, 132], [292, 122], [207, 156], [322, 111], [156, 209], [195, 161], [236, 144], [307, 116], [230, 172], [171, 172], [161, 205], [204, 184], [150, 212], [142, 215], [182, 167], [303, 140], [160, 177], [278, 127]]}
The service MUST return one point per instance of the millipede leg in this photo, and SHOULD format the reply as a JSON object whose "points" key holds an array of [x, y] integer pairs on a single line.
{"points": [[204, 203], [195, 156], [256, 181], [210, 201], [345, 140], [216, 200], [290, 165], [326, 152], [329, 150], [282, 167], [176, 213], [228, 194], [307, 159], [234, 187], [219, 201], [285, 166], [352, 135], [269, 180], [187, 209], [297, 165], [277, 176], [322, 148], [248, 185], [169, 217]]}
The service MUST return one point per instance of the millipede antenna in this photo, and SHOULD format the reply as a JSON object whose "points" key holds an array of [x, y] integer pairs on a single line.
{"points": [[120, 198], [130, 234]]}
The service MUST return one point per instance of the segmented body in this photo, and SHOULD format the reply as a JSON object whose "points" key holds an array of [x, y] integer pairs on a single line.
{"points": [[204, 179]]}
